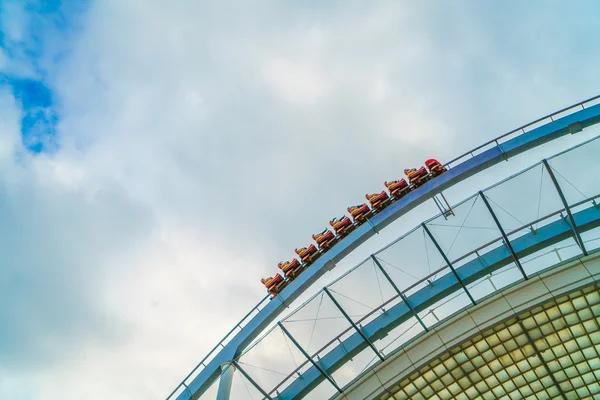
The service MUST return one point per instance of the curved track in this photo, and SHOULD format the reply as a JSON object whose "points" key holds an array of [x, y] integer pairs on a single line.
{"points": [[570, 120]]}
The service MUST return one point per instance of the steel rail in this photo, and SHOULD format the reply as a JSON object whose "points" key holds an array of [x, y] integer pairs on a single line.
{"points": [[549, 234], [522, 129], [206, 357], [423, 280], [570, 123]]}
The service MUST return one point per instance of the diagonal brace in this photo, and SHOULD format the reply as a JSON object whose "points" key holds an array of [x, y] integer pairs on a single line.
{"points": [[402, 296], [574, 228], [356, 328], [309, 358], [448, 263], [506, 241]]}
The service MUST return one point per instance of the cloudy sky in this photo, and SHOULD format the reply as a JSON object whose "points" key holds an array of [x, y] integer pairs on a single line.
{"points": [[158, 157]]}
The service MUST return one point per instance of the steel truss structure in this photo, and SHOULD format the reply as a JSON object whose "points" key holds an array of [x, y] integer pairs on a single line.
{"points": [[463, 265]]}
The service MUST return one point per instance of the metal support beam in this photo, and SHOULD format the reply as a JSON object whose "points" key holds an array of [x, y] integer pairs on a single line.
{"points": [[539, 355], [356, 328], [309, 358], [252, 381], [402, 296], [506, 241], [225, 381], [448, 263], [576, 234]]}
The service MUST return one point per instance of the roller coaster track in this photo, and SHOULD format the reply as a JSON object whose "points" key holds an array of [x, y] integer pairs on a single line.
{"points": [[569, 120]]}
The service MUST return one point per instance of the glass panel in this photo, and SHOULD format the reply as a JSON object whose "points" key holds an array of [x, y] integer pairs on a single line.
{"points": [[398, 336], [578, 172], [324, 390], [271, 359], [591, 237], [410, 259], [365, 304], [523, 199], [505, 276], [550, 256], [354, 367], [316, 323], [470, 228], [242, 389], [447, 306]]}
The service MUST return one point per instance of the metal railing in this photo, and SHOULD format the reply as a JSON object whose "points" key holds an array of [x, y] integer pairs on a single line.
{"points": [[396, 297], [183, 386], [522, 129]]}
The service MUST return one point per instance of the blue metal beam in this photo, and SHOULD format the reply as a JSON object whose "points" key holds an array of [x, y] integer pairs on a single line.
{"points": [[448, 263], [399, 292], [426, 297], [356, 328], [576, 234], [501, 229], [519, 144]]}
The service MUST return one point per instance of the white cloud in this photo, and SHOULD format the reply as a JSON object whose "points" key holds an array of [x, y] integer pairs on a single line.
{"points": [[294, 82], [201, 144]]}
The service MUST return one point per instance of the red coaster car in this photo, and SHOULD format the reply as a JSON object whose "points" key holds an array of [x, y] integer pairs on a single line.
{"points": [[291, 269], [435, 167], [378, 200], [417, 177], [274, 284], [397, 188], [324, 239], [359, 213], [307, 254], [342, 226]]}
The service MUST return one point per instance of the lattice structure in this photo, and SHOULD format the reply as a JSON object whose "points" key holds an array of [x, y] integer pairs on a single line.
{"points": [[549, 352], [502, 235]]}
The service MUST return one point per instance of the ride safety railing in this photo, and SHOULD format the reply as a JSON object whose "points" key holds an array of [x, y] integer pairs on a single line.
{"points": [[450, 250], [526, 223], [183, 385], [496, 142]]}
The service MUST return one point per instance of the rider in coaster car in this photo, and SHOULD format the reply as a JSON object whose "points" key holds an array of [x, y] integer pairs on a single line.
{"points": [[340, 225], [305, 253], [435, 167], [377, 199], [288, 266], [358, 212], [323, 238], [416, 176]]}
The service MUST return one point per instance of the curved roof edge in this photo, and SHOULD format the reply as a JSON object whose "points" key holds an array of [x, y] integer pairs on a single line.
{"points": [[527, 140], [558, 280]]}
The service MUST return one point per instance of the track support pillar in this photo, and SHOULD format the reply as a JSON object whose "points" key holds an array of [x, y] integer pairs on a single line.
{"points": [[225, 381]]}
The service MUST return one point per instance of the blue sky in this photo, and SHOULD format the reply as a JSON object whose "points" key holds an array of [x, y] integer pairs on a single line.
{"points": [[34, 38], [151, 149]]}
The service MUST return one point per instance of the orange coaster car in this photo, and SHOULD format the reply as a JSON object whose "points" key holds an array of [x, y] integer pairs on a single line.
{"points": [[397, 188], [324, 239], [378, 200], [342, 226], [417, 177], [291, 269], [307, 254], [274, 284], [359, 213], [435, 167]]}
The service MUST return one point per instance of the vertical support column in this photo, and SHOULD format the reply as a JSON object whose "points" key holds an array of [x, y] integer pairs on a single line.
{"points": [[225, 381], [506, 241], [576, 234], [356, 328], [402, 296], [448, 263], [309, 358]]}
